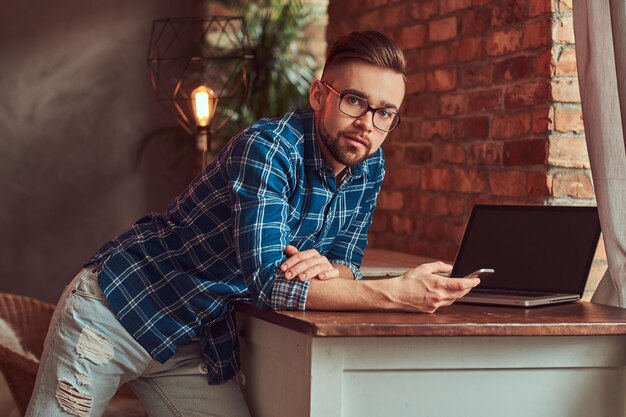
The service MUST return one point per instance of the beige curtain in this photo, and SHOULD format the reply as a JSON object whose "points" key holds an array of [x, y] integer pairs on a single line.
{"points": [[600, 31]]}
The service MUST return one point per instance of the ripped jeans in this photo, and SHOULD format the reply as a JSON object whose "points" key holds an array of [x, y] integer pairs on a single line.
{"points": [[88, 355]]}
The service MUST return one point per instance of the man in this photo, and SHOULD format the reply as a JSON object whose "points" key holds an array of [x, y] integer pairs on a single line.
{"points": [[279, 218]]}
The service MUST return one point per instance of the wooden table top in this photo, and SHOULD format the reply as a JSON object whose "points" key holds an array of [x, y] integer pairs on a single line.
{"points": [[569, 319], [384, 257]]}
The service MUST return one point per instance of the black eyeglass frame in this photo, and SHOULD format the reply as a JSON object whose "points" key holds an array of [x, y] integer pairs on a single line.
{"points": [[369, 107]]}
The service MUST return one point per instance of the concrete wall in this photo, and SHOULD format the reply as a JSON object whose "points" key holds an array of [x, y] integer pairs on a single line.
{"points": [[75, 102]]}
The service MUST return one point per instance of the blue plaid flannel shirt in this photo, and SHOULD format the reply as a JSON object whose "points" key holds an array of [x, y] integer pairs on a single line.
{"points": [[175, 275]]}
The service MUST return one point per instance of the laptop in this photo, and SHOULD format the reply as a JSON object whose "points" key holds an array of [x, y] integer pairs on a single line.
{"points": [[541, 254]]}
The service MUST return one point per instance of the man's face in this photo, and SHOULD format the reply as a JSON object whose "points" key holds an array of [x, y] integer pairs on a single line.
{"points": [[346, 140]]}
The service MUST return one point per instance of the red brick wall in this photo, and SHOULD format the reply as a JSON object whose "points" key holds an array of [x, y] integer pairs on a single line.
{"points": [[492, 113]]}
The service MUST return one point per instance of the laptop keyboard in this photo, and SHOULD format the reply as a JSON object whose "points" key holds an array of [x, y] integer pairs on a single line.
{"points": [[511, 293]]}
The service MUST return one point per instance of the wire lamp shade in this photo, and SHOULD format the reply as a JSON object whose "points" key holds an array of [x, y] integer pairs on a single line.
{"points": [[199, 69]]}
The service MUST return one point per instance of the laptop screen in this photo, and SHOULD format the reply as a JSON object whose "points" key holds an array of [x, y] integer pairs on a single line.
{"points": [[531, 248]]}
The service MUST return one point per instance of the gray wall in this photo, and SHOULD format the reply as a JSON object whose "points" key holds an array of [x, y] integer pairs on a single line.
{"points": [[75, 102]]}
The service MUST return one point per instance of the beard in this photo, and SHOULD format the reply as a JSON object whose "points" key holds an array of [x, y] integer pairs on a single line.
{"points": [[343, 151]]}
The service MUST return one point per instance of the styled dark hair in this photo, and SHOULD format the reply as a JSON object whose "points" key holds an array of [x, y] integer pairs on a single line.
{"points": [[368, 46]]}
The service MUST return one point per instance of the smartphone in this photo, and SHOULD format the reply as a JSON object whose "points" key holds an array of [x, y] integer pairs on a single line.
{"points": [[481, 273]]}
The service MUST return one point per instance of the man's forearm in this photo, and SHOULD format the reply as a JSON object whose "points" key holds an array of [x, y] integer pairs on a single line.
{"points": [[419, 289], [344, 294]]}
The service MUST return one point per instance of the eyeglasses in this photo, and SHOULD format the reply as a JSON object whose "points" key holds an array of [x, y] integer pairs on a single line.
{"points": [[355, 106]]}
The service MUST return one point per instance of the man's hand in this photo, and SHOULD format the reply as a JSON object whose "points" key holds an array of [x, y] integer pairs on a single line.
{"points": [[422, 289], [306, 265]]}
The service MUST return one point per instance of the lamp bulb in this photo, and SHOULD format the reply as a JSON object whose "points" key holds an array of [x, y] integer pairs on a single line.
{"points": [[204, 102]]}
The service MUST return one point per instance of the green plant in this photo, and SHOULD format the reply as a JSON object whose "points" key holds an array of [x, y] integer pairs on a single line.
{"points": [[283, 67]]}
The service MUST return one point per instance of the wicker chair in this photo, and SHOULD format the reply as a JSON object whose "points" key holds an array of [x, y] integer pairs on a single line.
{"points": [[30, 319]]}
